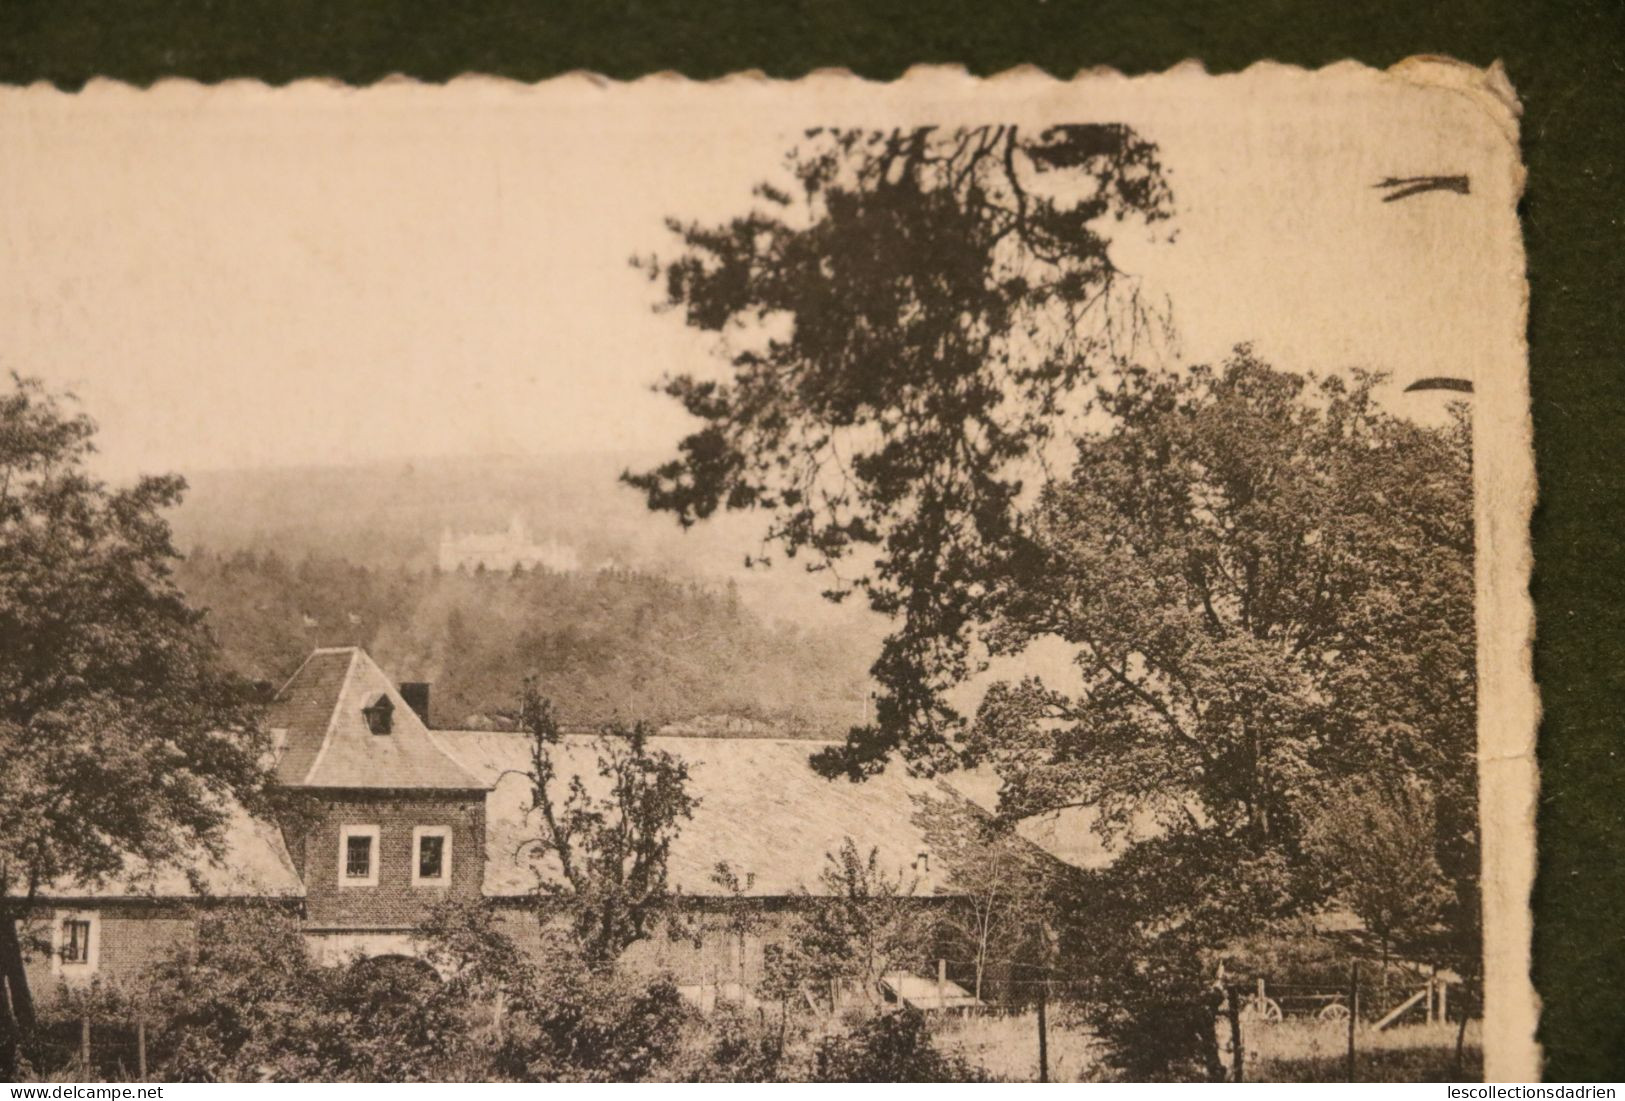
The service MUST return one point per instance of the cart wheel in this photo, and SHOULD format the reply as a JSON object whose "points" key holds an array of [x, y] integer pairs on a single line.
{"points": [[1267, 1010], [1337, 1011]]}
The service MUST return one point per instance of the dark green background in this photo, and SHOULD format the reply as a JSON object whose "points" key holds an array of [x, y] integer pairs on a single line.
{"points": [[1566, 60]]}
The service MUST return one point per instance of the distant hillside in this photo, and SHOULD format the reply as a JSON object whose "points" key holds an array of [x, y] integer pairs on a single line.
{"points": [[656, 622], [604, 645], [391, 515]]}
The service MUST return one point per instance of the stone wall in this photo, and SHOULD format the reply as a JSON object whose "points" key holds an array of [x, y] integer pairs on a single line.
{"points": [[129, 936], [697, 946]]}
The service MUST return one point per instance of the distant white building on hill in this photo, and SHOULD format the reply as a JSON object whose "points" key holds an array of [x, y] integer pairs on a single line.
{"points": [[503, 550]]}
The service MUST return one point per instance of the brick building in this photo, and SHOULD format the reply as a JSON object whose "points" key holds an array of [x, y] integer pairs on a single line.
{"points": [[399, 816]]}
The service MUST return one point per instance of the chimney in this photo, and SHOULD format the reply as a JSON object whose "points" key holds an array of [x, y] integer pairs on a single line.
{"points": [[416, 695]]}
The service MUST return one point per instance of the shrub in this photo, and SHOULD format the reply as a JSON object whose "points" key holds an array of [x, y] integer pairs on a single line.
{"points": [[247, 1003], [1161, 1021], [889, 1047], [244, 1002], [736, 1045], [563, 1021], [586, 1026]]}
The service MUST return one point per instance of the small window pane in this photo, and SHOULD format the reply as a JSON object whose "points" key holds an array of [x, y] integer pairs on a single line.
{"points": [[358, 857], [75, 941], [431, 857]]}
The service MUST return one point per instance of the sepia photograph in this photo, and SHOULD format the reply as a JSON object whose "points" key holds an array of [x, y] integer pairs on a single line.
{"points": [[952, 580]]}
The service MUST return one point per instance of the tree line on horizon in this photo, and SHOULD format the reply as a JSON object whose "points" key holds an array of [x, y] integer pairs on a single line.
{"points": [[605, 645]]}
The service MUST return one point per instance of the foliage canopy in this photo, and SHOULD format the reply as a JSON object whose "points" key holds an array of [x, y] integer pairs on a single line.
{"points": [[902, 330], [124, 737]]}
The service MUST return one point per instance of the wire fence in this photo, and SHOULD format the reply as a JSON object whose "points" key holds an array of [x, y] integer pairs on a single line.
{"points": [[106, 1051], [1246, 1006]]}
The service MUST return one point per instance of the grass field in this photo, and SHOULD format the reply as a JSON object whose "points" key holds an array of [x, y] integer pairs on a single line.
{"points": [[1290, 1051], [1007, 1046], [1310, 1051]]}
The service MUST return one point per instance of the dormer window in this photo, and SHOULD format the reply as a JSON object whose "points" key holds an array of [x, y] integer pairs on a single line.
{"points": [[380, 714]]}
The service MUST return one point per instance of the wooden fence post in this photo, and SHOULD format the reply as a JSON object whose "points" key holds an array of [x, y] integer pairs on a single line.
{"points": [[84, 1048], [1354, 1012], [1238, 1056], [141, 1048], [942, 985], [1043, 1032]]}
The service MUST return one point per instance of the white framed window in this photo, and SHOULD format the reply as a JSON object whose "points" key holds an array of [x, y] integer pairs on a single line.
{"points": [[76, 942], [358, 856], [431, 856]]}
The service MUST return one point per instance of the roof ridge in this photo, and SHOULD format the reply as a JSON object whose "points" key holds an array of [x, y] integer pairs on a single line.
{"points": [[338, 699], [295, 676], [441, 748], [434, 739]]}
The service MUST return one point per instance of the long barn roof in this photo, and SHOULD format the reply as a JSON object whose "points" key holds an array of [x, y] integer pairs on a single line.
{"points": [[254, 864], [762, 810]]}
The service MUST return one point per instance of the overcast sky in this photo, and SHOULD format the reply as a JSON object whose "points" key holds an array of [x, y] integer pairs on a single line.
{"points": [[242, 276]]}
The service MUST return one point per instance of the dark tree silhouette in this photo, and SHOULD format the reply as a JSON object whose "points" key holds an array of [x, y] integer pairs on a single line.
{"points": [[937, 377], [906, 326]]}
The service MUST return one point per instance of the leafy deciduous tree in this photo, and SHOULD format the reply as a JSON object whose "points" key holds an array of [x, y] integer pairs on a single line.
{"points": [[1378, 841], [861, 925], [1235, 564], [124, 738], [1001, 883], [1266, 585], [611, 847]]}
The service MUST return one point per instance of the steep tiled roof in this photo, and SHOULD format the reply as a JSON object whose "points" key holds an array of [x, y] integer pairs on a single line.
{"points": [[304, 709], [762, 809], [329, 744], [254, 865]]}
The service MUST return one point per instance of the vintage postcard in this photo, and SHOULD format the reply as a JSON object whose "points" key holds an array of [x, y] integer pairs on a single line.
{"points": [[957, 579]]}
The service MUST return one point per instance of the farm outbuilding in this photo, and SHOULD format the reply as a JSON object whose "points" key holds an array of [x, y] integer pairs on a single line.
{"points": [[405, 816]]}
